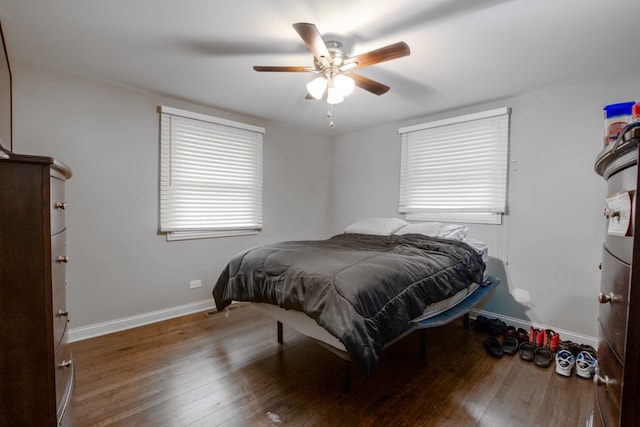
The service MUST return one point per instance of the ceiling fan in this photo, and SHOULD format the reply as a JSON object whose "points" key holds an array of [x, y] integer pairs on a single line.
{"points": [[336, 77]]}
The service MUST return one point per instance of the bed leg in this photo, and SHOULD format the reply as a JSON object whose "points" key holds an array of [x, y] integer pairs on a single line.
{"points": [[346, 381], [465, 321], [423, 343], [280, 339]]}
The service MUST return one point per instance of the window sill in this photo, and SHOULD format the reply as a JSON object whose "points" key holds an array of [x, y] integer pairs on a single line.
{"points": [[191, 235]]}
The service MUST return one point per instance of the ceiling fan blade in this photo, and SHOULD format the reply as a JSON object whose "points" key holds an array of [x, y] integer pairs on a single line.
{"points": [[386, 53], [283, 68], [368, 84], [312, 38]]}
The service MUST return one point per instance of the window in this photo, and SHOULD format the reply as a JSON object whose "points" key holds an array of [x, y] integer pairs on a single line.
{"points": [[455, 170], [210, 176]]}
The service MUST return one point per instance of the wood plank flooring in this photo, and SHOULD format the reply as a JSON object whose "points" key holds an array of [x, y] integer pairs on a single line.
{"points": [[219, 370]]}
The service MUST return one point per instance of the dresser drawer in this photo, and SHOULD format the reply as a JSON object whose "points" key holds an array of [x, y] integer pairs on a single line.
{"points": [[614, 291], [622, 182], [58, 285], [58, 203], [609, 395], [65, 377]]}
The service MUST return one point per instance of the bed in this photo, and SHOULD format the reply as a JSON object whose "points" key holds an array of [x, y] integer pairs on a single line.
{"points": [[360, 291]]}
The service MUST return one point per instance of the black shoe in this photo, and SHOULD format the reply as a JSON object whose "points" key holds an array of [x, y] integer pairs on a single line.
{"points": [[510, 346], [497, 327], [493, 346], [481, 324]]}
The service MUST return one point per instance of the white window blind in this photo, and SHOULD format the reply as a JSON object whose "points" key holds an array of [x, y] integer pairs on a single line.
{"points": [[455, 170], [210, 175]]}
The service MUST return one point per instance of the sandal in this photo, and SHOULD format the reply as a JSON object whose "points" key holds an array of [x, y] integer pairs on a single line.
{"points": [[510, 346], [526, 350], [544, 354], [493, 347], [522, 335], [543, 357], [497, 327], [536, 337], [551, 340]]}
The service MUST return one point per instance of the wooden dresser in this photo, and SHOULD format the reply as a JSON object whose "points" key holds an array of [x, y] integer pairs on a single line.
{"points": [[617, 378], [36, 365]]}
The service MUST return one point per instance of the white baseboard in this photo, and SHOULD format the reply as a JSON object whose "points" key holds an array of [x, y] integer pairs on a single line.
{"points": [[564, 335], [98, 329]]}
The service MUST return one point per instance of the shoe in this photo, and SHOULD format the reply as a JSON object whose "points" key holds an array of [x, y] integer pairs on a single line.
{"points": [[586, 364], [510, 346], [588, 349], [564, 363], [536, 337], [511, 332], [493, 346], [481, 324], [497, 327], [543, 357], [526, 350], [523, 336], [550, 340], [569, 346]]}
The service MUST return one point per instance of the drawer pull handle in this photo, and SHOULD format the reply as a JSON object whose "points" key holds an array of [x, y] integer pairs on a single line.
{"points": [[60, 205], [608, 213], [63, 312], [62, 259], [598, 381], [606, 298], [66, 364]]}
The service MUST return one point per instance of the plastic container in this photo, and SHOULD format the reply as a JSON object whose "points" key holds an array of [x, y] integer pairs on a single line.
{"points": [[616, 117], [635, 113]]}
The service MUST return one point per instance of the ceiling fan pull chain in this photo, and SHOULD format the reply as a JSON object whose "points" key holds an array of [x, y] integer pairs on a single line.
{"points": [[330, 115]]}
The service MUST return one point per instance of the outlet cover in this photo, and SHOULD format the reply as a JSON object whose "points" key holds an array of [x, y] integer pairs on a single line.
{"points": [[195, 284]]}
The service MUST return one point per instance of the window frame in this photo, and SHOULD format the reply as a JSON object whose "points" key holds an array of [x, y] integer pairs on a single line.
{"points": [[415, 192], [192, 136]]}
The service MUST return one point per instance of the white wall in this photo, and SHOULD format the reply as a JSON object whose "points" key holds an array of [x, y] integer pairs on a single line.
{"points": [[551, 241], [119, 266]]}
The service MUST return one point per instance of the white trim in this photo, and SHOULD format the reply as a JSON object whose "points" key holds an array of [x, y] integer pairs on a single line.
{"points": [[117, 325], [564, 335], [189, 235], [460, 119], [211, 119], [474, 218]]}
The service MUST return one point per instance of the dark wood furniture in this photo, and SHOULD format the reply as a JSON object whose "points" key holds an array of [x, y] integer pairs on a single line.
{"points": [[37, 372], [618, 375]]}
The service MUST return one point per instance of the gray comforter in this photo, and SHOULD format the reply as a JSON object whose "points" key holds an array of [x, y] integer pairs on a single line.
{"points": [[363, 289]]}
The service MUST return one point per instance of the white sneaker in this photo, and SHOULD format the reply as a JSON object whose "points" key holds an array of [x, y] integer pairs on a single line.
{"points": [[585, 364], [564, 363]]}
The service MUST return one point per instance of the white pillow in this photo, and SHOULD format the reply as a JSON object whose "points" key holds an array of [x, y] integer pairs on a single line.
{"points": [[377, 226], [436, 229], [479, 246]]}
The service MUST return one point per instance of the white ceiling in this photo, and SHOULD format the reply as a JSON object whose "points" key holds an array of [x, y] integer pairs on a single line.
{"points": [[463, 52]]}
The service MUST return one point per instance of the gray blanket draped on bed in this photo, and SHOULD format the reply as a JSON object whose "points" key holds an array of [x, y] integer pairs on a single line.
{"points": [[361, 288]]}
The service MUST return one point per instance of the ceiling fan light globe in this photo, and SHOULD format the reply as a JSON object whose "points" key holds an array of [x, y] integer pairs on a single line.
{"points": [[316, 87], [334, 96], [344, 84]]}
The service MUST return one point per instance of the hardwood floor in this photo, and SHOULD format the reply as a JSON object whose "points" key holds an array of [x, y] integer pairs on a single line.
{"points": [[202, 370]]}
